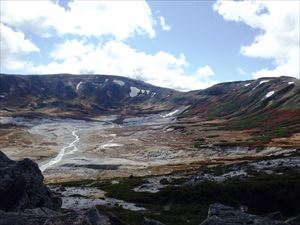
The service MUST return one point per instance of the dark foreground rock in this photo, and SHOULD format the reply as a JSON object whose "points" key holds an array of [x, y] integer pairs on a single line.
{"points": [[25, 200], [46, 216], [21, 186], [219, 214]]}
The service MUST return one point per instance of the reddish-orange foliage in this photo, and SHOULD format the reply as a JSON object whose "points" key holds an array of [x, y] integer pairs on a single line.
{"points": [[281, 116], [201, 109]]}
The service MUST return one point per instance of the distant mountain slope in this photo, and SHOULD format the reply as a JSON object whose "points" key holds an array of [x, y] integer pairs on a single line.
{"points": [[269, 107], [247, 97], [79, 95]]}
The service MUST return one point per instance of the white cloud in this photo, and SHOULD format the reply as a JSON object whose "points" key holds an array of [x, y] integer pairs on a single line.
{"points": [[205, 71], [163, 24], [83, 21], [70, 49], [121, 19], [117, 58], [279, 40], [13, 45]]}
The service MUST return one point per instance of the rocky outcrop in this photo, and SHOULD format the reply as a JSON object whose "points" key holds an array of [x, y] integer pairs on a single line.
{"points": [[44, 216], [219, 214], [24, 199], [80, 95], [21, 186]]}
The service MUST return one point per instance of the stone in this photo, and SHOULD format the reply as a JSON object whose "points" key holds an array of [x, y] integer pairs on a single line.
{"points": [[213, 220], [20, 218], [43, 216], [219, 214], [24, 199], [21, 186], [151, 222]]}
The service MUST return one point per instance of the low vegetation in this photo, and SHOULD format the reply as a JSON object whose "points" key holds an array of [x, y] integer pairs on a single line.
{"points": [[187, 203]]}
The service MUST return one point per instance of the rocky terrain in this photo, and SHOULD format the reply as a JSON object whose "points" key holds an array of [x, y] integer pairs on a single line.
{"points": [[265, 111], [131, 153], [80, 96], [26, 200], [22, 186], [223, 215], [258, 112]]}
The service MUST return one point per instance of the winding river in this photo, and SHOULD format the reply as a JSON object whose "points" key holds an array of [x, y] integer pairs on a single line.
{"points": [[71, 147], [57, 129]]}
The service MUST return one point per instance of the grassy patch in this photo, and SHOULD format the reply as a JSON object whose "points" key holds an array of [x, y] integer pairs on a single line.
{"points": [[268, 126], [291, 106], [125, 216], [188, 204], [248, 123], [225, 109]]}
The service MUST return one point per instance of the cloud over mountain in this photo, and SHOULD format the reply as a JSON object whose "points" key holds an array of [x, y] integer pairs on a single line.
{"points": [[90, 37], [278, 39]]}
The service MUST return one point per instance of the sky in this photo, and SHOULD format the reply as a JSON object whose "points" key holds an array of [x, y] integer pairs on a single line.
{"points": [[184, 45]]}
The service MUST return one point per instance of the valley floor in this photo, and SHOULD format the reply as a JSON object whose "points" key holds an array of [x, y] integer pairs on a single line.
{"points": [[141, 146], [156, 167]]}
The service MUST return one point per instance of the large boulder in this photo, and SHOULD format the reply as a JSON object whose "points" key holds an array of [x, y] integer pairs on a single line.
{"points": [[219, 214], [24, 199], [21, 186]]}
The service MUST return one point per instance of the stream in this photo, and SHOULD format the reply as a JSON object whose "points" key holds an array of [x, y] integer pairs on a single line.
{"points": [[74, 141], [62, 152]]}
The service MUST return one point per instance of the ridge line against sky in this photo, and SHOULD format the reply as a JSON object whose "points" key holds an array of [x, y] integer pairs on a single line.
{"points": [[184, 45]]}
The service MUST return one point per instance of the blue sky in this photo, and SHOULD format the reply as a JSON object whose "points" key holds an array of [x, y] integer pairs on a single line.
{"points": [[200, 43], [205, 38]]}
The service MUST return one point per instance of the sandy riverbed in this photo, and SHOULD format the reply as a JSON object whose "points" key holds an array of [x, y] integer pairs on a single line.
{"points": [[68, 149]]}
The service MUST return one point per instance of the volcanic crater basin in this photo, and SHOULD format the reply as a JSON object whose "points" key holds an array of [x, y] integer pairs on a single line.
{"points": [[68, 150], [76, 149]]}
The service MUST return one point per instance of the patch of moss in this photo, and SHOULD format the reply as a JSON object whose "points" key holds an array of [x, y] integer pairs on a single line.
{"points": [[225, 109], [266, 127], [248, 123], [188, 204], [292, 106], [124, 189], [181, 203], [125, 216]]}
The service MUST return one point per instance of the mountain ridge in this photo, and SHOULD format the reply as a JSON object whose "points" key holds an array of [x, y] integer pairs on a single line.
{"points": [[89, 94], [265, 108]]}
